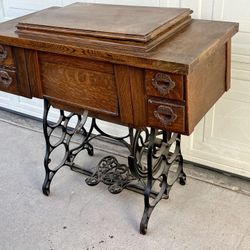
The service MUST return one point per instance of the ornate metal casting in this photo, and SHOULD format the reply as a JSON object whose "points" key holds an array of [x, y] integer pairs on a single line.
{"points": [[163, 83], [111, 173], [165, 114], [160, 159], [65, 139], [155, 160]]}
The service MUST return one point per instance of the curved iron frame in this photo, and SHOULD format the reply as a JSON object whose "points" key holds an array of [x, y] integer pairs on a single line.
{"points": [[150, 159]]}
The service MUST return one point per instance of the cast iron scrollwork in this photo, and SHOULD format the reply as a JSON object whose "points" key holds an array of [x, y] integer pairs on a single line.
{"points": [[155, 160], [109, 171], [159, 154], [66, 133], [112, 173]]}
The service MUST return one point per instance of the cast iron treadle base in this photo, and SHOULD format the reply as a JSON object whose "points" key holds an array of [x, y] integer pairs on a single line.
{"points": [[154, 160], [65, 141]]}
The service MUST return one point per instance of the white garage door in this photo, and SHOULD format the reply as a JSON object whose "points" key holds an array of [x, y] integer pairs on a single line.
{"points": [[222, 138]]}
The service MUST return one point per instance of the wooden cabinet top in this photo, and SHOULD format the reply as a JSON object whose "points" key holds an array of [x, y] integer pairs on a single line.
{"points": [[136, 66], [110, 21], [178, 53]]}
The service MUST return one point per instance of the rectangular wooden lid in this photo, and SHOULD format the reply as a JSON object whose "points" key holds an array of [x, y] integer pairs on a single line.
{"points": [[121, 27]]}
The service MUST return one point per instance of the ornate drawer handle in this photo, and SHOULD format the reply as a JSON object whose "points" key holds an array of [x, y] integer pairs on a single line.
{"points": [[3, 53], [5, 78], [165, 114], [163, 83]]}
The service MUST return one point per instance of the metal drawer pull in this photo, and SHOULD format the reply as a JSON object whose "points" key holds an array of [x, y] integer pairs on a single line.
{"points": [[165, 114], [3, 53], [5, 78], [163, 83]]}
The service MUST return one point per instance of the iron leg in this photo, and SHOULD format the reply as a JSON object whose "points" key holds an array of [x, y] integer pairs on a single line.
{"points": [[64, 140]]}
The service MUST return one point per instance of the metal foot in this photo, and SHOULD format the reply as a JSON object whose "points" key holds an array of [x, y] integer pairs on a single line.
{"points": [[183, 179], [46, 184], [145, 218], [159, 157], [150, 162], [182, 175]]}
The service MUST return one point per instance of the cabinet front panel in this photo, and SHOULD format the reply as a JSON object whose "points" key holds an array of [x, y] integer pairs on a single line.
{"points": [[80, 82]]}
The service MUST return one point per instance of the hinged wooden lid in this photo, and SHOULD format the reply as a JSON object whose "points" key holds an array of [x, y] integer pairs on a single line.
{"points": [[131, 28]]}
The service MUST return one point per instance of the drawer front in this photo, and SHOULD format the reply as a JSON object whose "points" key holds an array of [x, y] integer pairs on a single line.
{"points": [[76, 84], [166, 85], [8, 81], [6, 56], [166, 116]]}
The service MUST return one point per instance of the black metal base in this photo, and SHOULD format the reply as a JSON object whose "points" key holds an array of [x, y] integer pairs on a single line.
{"points": [[64, 141], [155, 161]]}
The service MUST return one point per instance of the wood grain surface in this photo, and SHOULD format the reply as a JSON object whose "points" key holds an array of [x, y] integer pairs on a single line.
{"points": [[108, 26], [206, 85], [137, 23], [12, 88], [117, 86], [178, 125], [23, 85], [178, 54], [91, 89]]}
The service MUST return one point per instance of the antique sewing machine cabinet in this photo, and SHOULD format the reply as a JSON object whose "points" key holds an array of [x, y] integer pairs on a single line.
{"points": [[158, 76]]}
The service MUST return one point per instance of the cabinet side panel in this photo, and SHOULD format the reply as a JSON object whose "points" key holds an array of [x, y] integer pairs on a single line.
{"points": [[124, 93], [205, 85], [23, 84], [34, 73], [138, 92], [228, 69]]}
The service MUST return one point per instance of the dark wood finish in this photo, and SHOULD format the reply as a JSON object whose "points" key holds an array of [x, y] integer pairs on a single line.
{"points": [[87, 64], [136, 78], [6, 56], [92, 24], [166, 115], [8, 81], [205, 86], [122, 75], [228, 66], [179, 54], [79, 83], [164, 84], [22, 73], [33, 67], [171, 87]]}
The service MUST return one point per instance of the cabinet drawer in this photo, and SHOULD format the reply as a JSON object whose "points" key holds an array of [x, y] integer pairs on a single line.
{"points": [[8, 81], [79, 82], [166, 116], [166, 85], [6, 56]]}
